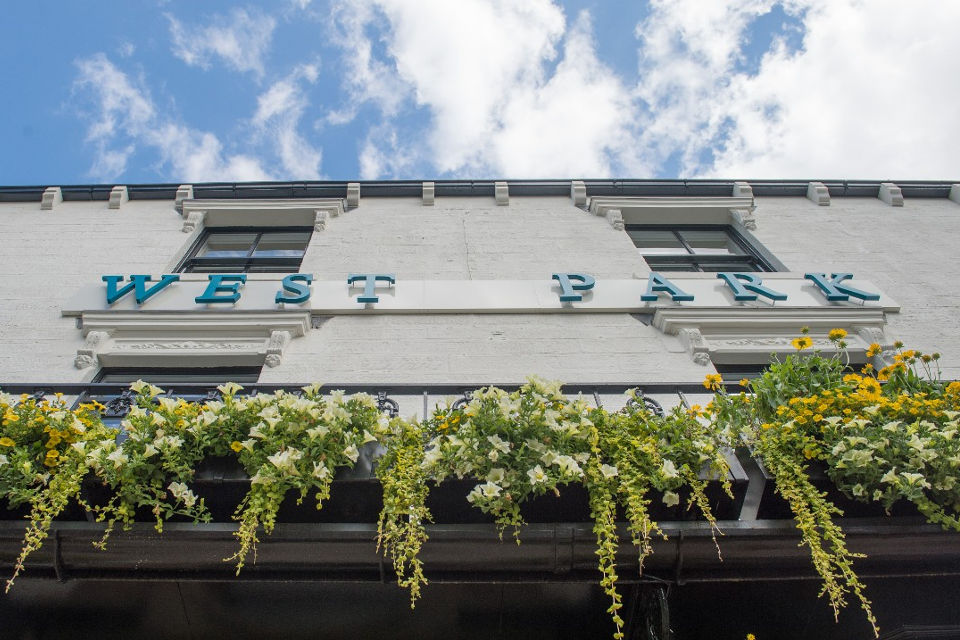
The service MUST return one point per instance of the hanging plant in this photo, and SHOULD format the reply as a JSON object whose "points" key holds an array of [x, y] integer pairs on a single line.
{"points": [[401, 529], [151, 465], [516, 445], [785, 443], [646, 453], [43, 460], [290, 443]]}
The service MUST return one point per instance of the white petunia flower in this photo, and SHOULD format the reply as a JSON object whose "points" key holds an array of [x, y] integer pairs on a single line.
{"points": [[352, 453], [285, 460], [669, 470], [320, 471], [490, 489], [496, 475], [117, 457], [318, 431], [608, 470], [671, 499], [537, 475]]}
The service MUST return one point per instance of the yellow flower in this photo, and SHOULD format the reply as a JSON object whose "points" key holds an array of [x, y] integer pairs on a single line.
{"points": [[713, 381], [802, 343], [744, 382], [750, 636], [236, 446], [837, 334], [873, 350], [53, 453], [7, 442]]}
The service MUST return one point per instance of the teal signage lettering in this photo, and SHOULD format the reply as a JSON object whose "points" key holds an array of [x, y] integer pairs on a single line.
{"points": [[217, 286], [584, 283], [741, 291], [656, 282], [138, 284], [369, 284], [834, 290], [297, 284]]}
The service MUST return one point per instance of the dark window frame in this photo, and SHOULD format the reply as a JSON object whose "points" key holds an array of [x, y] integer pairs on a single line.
{"points": [[245, 264], [750, 260]]}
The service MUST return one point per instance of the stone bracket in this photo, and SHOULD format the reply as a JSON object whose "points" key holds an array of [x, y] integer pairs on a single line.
{"points": [[428, 189], [615, 218], [501, 192], [744, 217], [52, 196], [578, 193], [194, 220], [184, 192], [818, 193], [353, 195], [87, 355], [891, 194], [955, 193], [118, 195]]}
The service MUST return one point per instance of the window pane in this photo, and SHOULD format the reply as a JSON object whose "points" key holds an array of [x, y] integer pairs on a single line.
{"points": [[656, 265], [227, 245], [656, 242], [727, 265], [282, 245], [711, 242]]}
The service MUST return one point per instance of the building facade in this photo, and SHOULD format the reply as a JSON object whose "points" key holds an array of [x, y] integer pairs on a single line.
{"points": [[422, 291]]}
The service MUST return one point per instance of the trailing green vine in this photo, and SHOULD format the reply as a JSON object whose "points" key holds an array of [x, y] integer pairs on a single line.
{"points": [[43, 459], [289, 442], [401, 529]]}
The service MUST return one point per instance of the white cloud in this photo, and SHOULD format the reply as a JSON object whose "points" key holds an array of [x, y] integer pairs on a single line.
{"points": [[495, 104], [122, 116], [865, 97], [240, 40], [279, 110], [385, 155]]}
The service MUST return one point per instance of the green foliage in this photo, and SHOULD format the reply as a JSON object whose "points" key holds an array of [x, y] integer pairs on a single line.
{"points": [[400, 529], [43, 460], [286, 442]]}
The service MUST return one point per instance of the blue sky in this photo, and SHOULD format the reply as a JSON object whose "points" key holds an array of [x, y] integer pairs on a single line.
{"points": [[167, 91]]}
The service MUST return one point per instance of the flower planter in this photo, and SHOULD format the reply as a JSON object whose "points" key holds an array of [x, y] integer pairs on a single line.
{"points": [[774, 507], [355, 496], [448, 504]]}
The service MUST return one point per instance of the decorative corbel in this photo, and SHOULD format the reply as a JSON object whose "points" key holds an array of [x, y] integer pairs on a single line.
{"points": [[501, 192], [428, 189], [52, 196], [891, 194], [320, 217], [818, 193], [194, 220], [184, 192], [118, 195], [745, 218], [578, 193], [615, 218], [353, 195], [955, 193], [696, 345], [742, 190], [275, 345], [87, 356]]}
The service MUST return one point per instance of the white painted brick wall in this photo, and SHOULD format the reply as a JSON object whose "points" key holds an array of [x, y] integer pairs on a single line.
{"points": [[909, 252], [47, 255]]}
